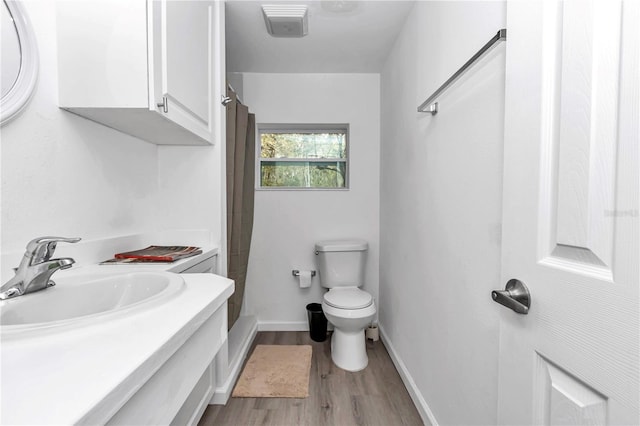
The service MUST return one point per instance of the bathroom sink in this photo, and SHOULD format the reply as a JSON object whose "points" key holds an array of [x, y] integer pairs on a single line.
{"points": [[83, 297]]}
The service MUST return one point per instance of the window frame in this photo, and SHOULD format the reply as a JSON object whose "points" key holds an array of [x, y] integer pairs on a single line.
{"points": [[301, 128]]}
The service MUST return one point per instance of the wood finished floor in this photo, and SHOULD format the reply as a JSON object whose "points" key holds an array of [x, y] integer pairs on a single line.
{"points": [[374, 396]]}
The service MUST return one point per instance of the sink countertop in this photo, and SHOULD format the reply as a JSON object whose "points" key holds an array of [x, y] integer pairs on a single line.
{"points": [[93, 251], [177, 266], [86, 374]]}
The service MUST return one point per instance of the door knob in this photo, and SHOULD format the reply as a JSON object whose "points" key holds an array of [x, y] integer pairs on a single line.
{"points": [[515, 296]]}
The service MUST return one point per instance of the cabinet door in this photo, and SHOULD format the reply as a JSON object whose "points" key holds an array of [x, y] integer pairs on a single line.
{"points": [[181, 63]]}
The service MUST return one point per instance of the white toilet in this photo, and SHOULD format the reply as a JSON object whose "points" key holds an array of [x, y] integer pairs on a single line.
{"points": [[349, 309]]}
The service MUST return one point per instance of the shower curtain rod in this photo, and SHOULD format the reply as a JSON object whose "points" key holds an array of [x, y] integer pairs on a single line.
{"points": [[234, 91], [226, 100], [433, 106]]}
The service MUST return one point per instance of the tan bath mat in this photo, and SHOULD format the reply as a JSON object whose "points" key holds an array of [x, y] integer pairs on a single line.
{"points": [[276, 371]]}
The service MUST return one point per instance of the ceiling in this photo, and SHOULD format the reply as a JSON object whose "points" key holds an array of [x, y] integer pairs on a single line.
{"points": [[342, 41]]}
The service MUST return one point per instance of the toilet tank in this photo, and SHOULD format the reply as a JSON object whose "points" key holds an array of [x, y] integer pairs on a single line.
{"points": [[341, 262]]}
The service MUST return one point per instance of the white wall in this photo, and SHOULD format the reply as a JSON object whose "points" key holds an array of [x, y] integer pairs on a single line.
{"points": [[190, 190], [440, 211], [68, 176], [288, 222]]}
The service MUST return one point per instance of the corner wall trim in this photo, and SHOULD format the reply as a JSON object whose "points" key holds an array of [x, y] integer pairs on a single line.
{"points": [[223, 392], [416, 396]]}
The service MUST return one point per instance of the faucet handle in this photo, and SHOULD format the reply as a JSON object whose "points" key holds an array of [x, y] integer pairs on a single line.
{"points": [[41, 249]]}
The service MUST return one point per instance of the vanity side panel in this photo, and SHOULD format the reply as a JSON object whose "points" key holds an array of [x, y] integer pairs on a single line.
{"points": [[196, 403], [161, 398], [102, 53]]}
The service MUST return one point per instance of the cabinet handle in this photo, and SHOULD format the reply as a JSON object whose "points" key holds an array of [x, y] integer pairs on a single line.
{"points": [[164, 104]]}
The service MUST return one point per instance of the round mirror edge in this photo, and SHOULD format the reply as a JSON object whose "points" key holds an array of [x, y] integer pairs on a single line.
{"points": [[18, 97]]}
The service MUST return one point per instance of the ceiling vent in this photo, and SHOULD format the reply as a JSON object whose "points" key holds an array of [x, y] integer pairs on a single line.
{"points": [[286, 20]]}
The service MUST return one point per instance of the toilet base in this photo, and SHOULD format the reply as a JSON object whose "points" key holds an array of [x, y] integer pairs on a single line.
{"points": [[349, 350]]}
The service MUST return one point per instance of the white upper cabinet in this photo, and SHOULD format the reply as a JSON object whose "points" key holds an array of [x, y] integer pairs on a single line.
{"points": [[144, 67]]}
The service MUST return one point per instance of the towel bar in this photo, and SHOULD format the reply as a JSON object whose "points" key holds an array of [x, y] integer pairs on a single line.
{"points": [[433, 107]]}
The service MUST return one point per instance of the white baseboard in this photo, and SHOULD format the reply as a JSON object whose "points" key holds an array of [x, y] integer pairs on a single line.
{"points": [[423, 408], [223, 392], [283, 326]]}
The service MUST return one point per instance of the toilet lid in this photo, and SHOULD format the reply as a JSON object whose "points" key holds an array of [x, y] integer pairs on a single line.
{"points": [[348, 298]]}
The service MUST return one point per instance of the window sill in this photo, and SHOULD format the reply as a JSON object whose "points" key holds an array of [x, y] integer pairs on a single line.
{"points": [[279, 188]]}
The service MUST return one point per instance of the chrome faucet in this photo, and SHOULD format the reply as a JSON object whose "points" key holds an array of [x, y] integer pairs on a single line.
{"points": [[36, 267]]}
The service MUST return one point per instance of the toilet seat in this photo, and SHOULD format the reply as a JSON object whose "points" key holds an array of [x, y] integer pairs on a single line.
{"points": [[348, 298]]}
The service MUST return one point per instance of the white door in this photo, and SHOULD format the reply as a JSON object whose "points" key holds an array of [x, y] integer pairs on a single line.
{"points": [[571, 223], [181, 49]]}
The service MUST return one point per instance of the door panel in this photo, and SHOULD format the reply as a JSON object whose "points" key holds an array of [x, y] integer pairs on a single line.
{"points": [[182, 54], [581, 48], [570, 213], [187, 55], [562, 399]]}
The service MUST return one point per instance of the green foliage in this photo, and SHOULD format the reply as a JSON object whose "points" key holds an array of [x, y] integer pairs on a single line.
{"points": [[306, 174], [303, 174], [303, 145]]}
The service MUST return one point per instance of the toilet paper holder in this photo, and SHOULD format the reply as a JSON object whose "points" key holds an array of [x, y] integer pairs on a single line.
{"points": [[296, 273]]}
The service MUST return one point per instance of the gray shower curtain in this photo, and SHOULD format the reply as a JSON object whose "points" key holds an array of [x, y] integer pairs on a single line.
{"points": [[240, 194]]}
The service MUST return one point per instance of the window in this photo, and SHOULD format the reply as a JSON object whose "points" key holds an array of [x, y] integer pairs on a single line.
{"points": [[302, 156]]}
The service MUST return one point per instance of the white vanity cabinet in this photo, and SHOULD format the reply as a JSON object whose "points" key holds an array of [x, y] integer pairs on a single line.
{"points": [[179, 391], [150, 365], [149, 68]]}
